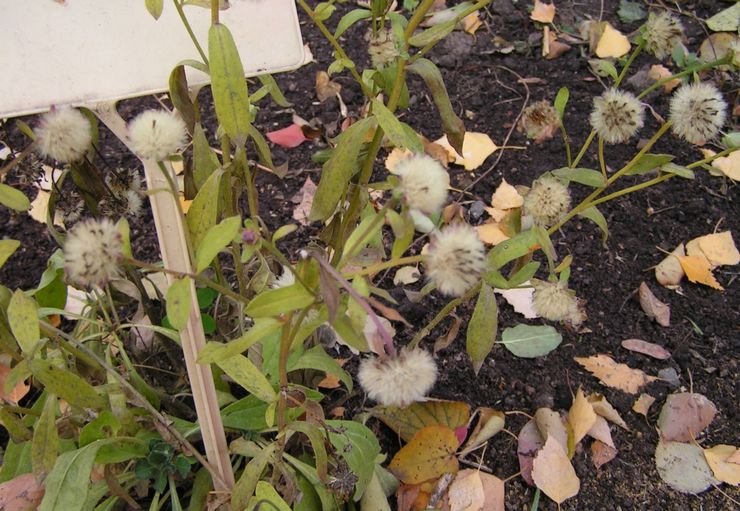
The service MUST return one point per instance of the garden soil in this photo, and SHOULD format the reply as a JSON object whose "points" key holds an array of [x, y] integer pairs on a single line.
{"points": [[489, 89]]}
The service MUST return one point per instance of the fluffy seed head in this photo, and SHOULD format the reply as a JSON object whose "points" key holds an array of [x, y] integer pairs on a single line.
{"points": [[616, 116], [92, 252], [547, 201], [539, 121], [63, 134], [424, 183], [455, 260], [553, 301], [661, 32], [381, 48], [697, 112], [156, 134], [286, 279], [125, 194], [398, 381]]}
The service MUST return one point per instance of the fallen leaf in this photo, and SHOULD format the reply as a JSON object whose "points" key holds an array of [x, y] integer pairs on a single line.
{"points": [[542, 12], [374, 339], [476, 148], [684, 416], [290, 136], [329, 382], [529, 442], [735, 458], [581, 418], [554, 47], [654, 308], [490, 422], [406, 422], [612, 43], [506, 197], [729, 165], [659, 72], [646, 348], [445, 340], [717, 457], [717, 46], [493, 489], [612, 374], [553, 473], [522, 299], [395, 157], [550, 425], [602, 453], [604, 409], [406, 275], [337, 412], [466, 492], [325, 87], [718, 248], [698, 269], [669, 271], [304, 200], [471, 23], [429, 454], [643, 404], [491, 233], [22, 493], [185, 204], [17, 392], [683, 467], [600, 431], [726, 20]]}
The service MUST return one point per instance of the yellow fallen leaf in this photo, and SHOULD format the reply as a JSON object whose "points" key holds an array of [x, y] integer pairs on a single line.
{"points": [[471, 22], [719, 248], [476, 148], [466, 492], [185, 203], [612, 374], [643, 404], [729, 165], [553, 473], [542, 12], [429, 454], [698, 270], [491, 234], [659, 72], [395, 157], [581, 418], [605, 409], [506, 197], [550, 425], [612, 43], [724, 470]]}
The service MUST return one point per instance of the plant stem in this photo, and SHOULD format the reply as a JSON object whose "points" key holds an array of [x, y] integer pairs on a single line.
{"points": [[442, 314], [186, 23], [602, 162], [241, 158], [566, 142], [214, 12], [634, 188], [583, 150], [709, 159], [384, 265], [627, 64], [689, 70]]}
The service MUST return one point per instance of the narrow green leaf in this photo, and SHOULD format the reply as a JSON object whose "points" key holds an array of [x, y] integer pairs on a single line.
{"points": [[316, 358], [433, 34], [45, 444], [588, 177], [530, 341], [229, 88], [451, 123], [24, 321], [350, 19], [521, 244], [274, 90], [203, 211], [266, 496], [316, 438], [154, 7], [679, 170], [483, 327], [180, 96], [650, 162], [597, 217], [263, 150], [205, 160], [18, 431], [561, 100], [202, 487], [13, 199], [545, 243], [247, 483], [179, 303], [7, 247], [214, 352], [359, 448], [324, 10], [524, 274], [339, 169], [394, 129], [374, 497], [66, 384], [603, 68], [245, 373], [215, 240], [278, 301]]}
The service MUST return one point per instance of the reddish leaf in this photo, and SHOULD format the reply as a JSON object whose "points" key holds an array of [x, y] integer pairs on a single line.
{"points": [[602, 453], [289, 137], [684, 416], [646, 348], [654, 308], [529, 442], [22, 493]]}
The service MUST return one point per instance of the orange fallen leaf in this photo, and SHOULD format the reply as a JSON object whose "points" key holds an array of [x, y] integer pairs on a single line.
{"points": [[660, 72], [429, 454], [698, 270], [615, 375], [476, 148], [17, 392], [643, 403], [602, 453], [542, 12], [491, 234], [329, 382], [646, 348], [725, 471], [337, 412], [604, 409], [581, 418], [612, 43], [408, 421], [553, 473], [471, 23], [506, 196]]}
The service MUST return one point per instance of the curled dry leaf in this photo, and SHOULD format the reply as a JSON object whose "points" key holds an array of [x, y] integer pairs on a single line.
{"points": [[718, 459], [698, 269], [304, 200], [553, 473], [669, 271], [683, 467], [612, 43], [615, 375], [476, 148], [522, 299], [581, 418], [550, 425], [684, 416], [654, 308], [604, 409], [646, 348], [490, 422], [325, 87], [471, 23], [602, 453], [643, 404], [529, 442]]}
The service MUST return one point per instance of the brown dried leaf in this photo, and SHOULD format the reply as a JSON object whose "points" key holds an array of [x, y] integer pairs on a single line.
{"points": [[304, 200], [612, 374], [646, 348], [684, 416], [325, 87], [553, 473], [466, 492], [643, 403], [724, 470], [471, 23], [659, 72], [542, 12], [447, 339], [17, 392], [654, 308], [22, 493], [581, 417], [602, 453]]}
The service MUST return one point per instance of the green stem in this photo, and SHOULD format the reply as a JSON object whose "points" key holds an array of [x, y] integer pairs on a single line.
{"points": [[709, 159], [379, 217], [583, 150], [631, 189], [214, 12], [627, 64], [442, 314], [602, 162], [689, 70], [186, 23], [241, 158], [566, 142], [384, 265], [416, 19]]}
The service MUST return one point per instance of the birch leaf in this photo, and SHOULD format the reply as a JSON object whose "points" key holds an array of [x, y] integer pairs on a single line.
{"points": [[612, 374], [553, 473]]}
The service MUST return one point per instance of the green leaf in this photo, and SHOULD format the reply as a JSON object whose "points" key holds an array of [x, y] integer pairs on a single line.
{"points": [[588, 177], [316, 358], [597, 217], [66, 384], [229, 88], [203, 211], [451, 123], [245, 373], [374, 498], [731, 139], [13, 199], [433, 34], [359, 448], [274, 302], [247, 483], [266, 497], [24, 321], [17, 431], [521, 244], [316, 438], [482, 328], [603, 68], [154, 7], [179, 303], [678, 170], [202, 486], [204, 159], [274, 90], [339, 169], [649, 162], [525, 273], [7, 247], [324, 10], [530, 341], [180, 96], [45, 443], [400, 134], [215, 240], [727, 20], [263, 150], [214, 352], [350, 19], [408, 421], [630, 12], [561, 100], [68, 483]]}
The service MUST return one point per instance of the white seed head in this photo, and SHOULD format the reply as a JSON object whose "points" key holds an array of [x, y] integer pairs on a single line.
{"points": [[381, 47], [547, 201], [63, 134], [697, 111], [398, 381], [424, 183], [92, 252], [616, 116], [157, 134], [286, 279], [661, 32], [455, 260], [553, 301]]}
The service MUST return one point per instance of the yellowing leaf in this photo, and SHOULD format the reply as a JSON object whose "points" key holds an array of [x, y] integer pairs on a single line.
{"points": [[471, 23], [506, 197], [553, 473], [406, 275], [725, 471], [581, 418], [491, 234], [604, 409], [612, 374], [542, 12], [466, 492], [643, 404], [719, 248], [490, 422], [729, 165], [612, 43], [428, 455], [698, 270], [476, 148], [659, 72], [185, 204], [415, 417]]}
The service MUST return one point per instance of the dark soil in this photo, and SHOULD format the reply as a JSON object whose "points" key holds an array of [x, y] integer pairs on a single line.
{"points": [[704, 334]]}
